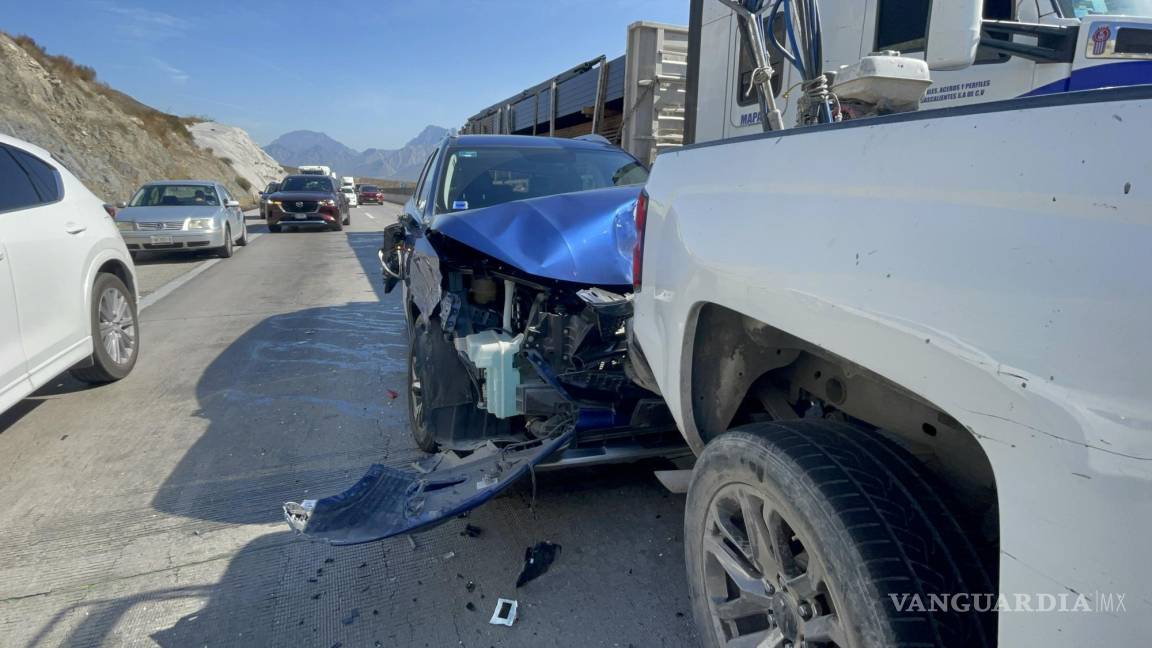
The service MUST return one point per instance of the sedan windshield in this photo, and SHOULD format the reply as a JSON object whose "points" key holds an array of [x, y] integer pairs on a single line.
{"points": [[175, 195], [1081, 8], [486, 176], [369, 188], [307, 183]]}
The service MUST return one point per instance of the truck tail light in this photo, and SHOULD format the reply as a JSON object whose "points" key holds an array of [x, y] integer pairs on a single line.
{"points": [[111, 209], [641, 219]]}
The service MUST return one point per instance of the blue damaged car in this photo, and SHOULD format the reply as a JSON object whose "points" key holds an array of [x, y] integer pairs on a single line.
{"points": [[515, 261]]}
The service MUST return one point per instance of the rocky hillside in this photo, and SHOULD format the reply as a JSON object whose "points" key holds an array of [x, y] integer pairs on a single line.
{"points": [[239, 150], [112, 142], [310, 147]]}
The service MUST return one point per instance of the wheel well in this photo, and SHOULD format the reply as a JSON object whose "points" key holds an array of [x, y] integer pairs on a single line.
{"points": [[115, 267], [743, 371]]}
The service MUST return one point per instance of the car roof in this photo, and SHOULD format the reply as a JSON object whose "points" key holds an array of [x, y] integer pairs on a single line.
{"points": [[27, 146], [207, 183], [526, 141]]}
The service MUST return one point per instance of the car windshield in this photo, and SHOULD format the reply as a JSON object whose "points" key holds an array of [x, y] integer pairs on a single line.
{"points": [[1081, 8], [369, 188], [307, 183], [347, 190], [486, 176], [175, 195]]}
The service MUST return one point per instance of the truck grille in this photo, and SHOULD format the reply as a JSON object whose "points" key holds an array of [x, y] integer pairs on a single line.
{"points": [[159, 226], [299, 206]]}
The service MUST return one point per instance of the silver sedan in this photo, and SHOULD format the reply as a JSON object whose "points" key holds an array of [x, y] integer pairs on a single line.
{"points": [[182, 215]]}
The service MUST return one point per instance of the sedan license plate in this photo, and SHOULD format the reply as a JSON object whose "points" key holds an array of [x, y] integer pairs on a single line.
{"points": [[160, 239], [301, 216]]}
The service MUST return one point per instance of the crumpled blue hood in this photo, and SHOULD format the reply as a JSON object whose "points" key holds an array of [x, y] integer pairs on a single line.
{"points": [[584, 237]]}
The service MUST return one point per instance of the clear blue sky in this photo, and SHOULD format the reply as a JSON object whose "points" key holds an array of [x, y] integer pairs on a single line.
{"points": [[368, 73]]}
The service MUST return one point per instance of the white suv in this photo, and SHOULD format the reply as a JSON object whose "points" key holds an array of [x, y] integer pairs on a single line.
{"points": [[67, 283]]}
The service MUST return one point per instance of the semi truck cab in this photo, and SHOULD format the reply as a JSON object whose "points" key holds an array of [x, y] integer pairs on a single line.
{"points": [[1027, 48]]}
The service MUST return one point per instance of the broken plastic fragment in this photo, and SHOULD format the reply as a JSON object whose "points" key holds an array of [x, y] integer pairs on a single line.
{"points": [[537, 560], [505, 613], [390, 501]]}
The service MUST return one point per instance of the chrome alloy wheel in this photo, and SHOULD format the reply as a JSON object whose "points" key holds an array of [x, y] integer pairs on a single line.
{"points": [[117, 326], [764, 588]]}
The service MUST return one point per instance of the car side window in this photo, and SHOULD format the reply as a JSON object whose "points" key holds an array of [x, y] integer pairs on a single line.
{"points": [[16, 188], [419, 193], [45, 179], [425, 195]]}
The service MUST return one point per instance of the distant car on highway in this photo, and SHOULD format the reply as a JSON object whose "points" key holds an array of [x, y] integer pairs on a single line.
{"points": [[182, 215], [370, 194], [67, 283], [350, 195], [272, 188], [308, 200]]}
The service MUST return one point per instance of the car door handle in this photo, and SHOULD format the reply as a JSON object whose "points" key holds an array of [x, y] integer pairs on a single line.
{"points": [[74, 228]]}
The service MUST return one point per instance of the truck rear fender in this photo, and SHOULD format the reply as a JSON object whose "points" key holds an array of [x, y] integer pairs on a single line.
{"points": [[742, 370]]}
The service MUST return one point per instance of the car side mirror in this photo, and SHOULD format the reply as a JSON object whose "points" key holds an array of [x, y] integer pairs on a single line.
{"points": [[232, 203], [954, 34], [121, 205]]}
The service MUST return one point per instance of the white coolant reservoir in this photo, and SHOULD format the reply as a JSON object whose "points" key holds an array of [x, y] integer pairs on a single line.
{"points": [[885, 81], [494, 352]]}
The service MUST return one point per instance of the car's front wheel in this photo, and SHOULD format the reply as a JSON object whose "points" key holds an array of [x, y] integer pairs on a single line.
{"points": [[441, 403], [225, 251], [812, 533], [115, 332]]}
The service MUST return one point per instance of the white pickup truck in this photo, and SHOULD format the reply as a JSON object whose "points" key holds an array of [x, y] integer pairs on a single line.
{"points": [[912, 353]]}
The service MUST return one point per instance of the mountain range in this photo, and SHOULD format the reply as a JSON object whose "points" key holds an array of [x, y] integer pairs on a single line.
{"points": [[310, 147]]}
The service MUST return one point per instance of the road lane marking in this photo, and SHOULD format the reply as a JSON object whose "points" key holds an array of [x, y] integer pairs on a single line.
{"points": [[172, 286]]}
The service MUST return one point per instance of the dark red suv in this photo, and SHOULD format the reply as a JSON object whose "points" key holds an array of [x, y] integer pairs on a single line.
{"points": [[308, 200], [370, 194]]}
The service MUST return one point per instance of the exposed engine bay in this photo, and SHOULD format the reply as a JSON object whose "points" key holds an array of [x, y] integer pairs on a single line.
{"points": [[530, 356]]}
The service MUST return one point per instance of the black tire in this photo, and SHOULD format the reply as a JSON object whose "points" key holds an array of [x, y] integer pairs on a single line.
{"points": [[275, 229], [434, 362], [417, 375], [338, 226], [854, 522], [243, 233], [102, 367], [225, 251], [348, 219]]}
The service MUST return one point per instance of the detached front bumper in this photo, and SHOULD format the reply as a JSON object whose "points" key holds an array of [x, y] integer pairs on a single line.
{"points": [[172, 240]]}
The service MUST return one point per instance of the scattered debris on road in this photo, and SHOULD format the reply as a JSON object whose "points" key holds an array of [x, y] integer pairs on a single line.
{"points": [[537, 560], [505, 613], [471, 531]]}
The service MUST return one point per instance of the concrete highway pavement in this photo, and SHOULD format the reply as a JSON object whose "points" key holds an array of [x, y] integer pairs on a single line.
{"points": [[147, 512]]}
